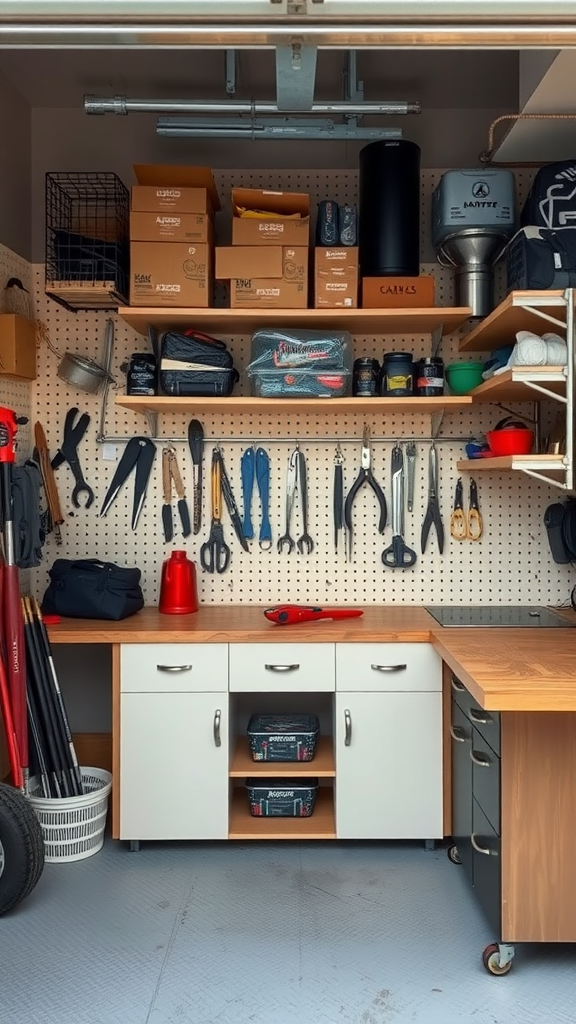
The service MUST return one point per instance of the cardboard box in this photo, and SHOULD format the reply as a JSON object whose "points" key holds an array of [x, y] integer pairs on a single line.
{"points": [[17, 347], [235, 261], [336, 277], [398, 292], [287, 292], [168, 226], [177, 189], [170, 274], [272, 230]]}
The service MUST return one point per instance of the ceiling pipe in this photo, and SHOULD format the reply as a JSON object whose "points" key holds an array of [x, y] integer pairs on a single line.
{"points": [[123, 105]]}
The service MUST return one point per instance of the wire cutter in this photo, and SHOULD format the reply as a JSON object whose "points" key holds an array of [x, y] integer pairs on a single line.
{"points": [[139, 453], [466, 526], [364, 476], [433, 510], [171, 475], [68, 452]]}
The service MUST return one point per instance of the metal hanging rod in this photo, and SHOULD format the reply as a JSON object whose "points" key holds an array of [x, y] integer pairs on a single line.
{"points": [[291, 439], [122, 105]]}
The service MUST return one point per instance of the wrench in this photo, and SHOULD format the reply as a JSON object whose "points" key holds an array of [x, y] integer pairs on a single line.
{"points": [[305, 544]]}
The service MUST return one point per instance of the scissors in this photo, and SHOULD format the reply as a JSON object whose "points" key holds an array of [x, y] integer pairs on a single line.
{"points": [[398, 555], [462, 526], [215, 554]]}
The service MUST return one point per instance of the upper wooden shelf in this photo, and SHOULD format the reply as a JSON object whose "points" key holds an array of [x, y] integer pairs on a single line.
{"points": [[516, 385], [246, 321], [515, 313], [233, 404]]}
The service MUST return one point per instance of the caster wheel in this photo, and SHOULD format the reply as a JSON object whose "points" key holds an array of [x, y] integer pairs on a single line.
{"points": [[491, 961], [453, 854]]}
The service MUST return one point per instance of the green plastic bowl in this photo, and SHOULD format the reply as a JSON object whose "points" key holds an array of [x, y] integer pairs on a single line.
{"points": [[463, 377]]}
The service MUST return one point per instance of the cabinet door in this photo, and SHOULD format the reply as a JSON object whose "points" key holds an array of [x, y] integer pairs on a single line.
{"points": [[388, 765], [461, 733], [174, 766]]}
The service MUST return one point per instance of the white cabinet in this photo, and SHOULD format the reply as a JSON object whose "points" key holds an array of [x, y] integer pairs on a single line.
{"points": [[282, 668], [186, 668], [389, 744]]}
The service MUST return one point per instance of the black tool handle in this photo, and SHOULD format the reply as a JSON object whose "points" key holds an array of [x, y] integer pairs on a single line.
{"points": [[196, 444], [338, 501], [398, 555]]}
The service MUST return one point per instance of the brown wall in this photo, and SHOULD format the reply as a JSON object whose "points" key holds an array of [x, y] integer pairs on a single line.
{"points": [[15, 165]]}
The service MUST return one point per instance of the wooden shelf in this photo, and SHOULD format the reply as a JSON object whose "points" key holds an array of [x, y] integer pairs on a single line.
{"points": [[538, 463], [245, 321], [320, 825], [323, 766], [164, 403], [514, 385], [85, 295], [512, 315]]}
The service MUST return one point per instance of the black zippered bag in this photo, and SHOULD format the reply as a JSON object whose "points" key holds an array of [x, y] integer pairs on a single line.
{"points": [[195, 365], [90, 589]]}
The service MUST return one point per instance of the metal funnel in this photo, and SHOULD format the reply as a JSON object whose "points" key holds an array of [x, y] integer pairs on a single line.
{"points": [[473, 253]]}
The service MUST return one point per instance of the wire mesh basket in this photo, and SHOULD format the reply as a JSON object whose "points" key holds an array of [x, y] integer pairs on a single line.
{"points": [[87, 239], [73, 827]]}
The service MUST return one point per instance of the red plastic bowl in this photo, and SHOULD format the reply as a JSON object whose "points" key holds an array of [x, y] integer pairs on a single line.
{"points": [[510, 441]]}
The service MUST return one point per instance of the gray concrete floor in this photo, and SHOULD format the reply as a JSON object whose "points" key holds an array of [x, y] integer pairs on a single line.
{"points": [[272, 933]]}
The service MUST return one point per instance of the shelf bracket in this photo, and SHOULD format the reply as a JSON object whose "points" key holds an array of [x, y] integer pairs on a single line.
{"points": [[546, 316], [563, 486]]}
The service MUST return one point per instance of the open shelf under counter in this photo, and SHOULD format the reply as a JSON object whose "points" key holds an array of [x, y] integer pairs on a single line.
{"points": [[320, 825], [322, 766], [527, 463], [523, 384], [246, 321], [515, 313], [238, 404]]}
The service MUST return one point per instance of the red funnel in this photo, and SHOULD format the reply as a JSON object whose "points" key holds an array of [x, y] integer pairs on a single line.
{"points": [[178, 591]]}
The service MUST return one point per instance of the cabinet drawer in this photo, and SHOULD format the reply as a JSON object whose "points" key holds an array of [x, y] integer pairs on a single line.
{"points": [[281, 667], [460, 694], [173, 668], [388, 668], [487, 722], [486, 779], [487, 868]]}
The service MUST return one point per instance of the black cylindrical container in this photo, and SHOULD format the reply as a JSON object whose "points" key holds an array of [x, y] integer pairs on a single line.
{"points": [[389, 209], [365, 378], [141, 374], [397, 374], [429, 377]]}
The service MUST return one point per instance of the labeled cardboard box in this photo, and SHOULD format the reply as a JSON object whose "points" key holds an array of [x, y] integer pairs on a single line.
{"points": [[162, 187], [290, 291], [285, 220], [235, 261], [398, 292], [17, 347], [170, 274], [336, 277], [168, 226]]}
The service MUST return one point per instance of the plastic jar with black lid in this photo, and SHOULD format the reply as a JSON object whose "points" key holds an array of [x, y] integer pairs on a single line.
{"points": [[430, 377], [397, 374], [141, 374], [365, 377]]}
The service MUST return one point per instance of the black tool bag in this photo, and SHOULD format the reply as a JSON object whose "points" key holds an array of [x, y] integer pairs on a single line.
{"points": [[90, 589], [195, 365], [541, 258], [551, 201]]}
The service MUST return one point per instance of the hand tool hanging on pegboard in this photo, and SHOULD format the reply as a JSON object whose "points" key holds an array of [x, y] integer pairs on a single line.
{"points": [[139, 454], [171, 475], [42, 456], [398, 555], [338, 497], [255, 465], [74, 430], [432, 517], [296, 483], [466, 525], [411, 471], [215, 553], [365, 476], [229, 498], [196, 444]]}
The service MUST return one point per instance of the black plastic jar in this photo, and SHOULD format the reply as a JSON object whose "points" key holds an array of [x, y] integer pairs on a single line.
{"points": [[397, 374], [365, 377], [430, 377], [141, 374]]}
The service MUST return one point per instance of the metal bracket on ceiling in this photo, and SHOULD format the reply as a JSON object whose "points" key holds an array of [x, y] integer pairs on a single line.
{"points": [[230, 71], [295, 76]]}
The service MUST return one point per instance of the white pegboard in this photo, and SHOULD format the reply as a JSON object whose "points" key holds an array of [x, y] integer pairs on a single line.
{"points": [[511, 563]]}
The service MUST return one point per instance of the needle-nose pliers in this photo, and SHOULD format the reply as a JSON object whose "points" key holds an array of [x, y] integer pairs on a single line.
{"points": [[364, 476]]}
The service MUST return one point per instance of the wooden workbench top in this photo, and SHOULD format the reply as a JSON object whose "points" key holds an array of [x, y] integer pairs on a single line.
{"points": [[505, 669]]}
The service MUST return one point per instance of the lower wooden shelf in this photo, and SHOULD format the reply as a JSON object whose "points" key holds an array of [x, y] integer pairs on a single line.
{"points": [[320, 825], [537, 463], [323, 766]]}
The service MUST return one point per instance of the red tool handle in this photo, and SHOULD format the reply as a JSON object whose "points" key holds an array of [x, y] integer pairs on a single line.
{"points": [[289, 614], [8, 428]]}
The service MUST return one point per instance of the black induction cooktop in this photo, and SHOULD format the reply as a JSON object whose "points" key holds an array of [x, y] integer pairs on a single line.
{"points": [[502, 615]]}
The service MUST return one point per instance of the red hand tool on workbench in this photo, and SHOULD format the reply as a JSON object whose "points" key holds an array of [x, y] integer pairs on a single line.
{"points": [[289, 614]]}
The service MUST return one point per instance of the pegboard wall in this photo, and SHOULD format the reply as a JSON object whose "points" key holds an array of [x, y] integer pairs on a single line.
{"points": [[510, 564]]}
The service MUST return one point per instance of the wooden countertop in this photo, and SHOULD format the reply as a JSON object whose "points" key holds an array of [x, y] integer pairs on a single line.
{"points": [[514, 670]]}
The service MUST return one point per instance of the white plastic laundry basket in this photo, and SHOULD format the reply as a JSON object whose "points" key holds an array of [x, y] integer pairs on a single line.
{"points": [[73, 826]]}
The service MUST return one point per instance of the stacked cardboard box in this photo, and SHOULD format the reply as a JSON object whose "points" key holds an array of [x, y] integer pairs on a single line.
{"points": [[267, 263], [172, 236], [336, 277], [398, 292]]}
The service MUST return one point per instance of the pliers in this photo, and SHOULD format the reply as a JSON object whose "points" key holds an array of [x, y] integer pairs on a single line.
{"points": [[171, 475], [139, 453], [364, 476], [433, 510], [74, 430]]}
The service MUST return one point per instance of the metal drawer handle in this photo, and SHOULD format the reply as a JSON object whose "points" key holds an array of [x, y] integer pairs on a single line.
{"points": [[482, 849], [348, 728], [217, 720], [388, 668], [458, 733], [482, 760], [281, 668], [174, 668], [479, 718], [457, 685]]}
